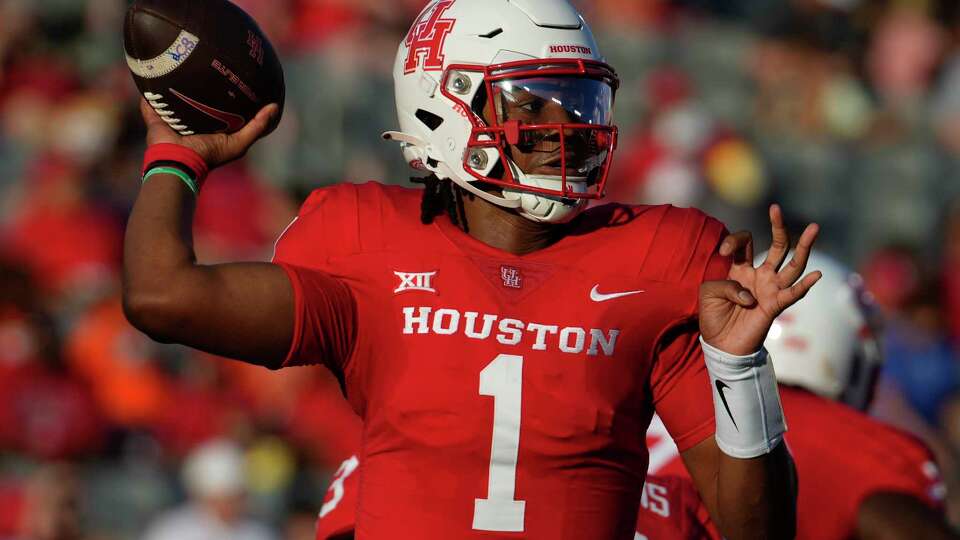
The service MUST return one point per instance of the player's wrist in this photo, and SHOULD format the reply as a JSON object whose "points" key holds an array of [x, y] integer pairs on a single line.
{"points": [[734, 352], [749, 417], [173, 158], [176, 173]]}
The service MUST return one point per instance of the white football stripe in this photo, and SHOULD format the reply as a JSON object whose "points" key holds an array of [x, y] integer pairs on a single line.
{"points": [[169, 60]]}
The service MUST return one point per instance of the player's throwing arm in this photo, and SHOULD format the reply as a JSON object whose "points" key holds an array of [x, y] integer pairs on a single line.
{"points": [[200, 115]]}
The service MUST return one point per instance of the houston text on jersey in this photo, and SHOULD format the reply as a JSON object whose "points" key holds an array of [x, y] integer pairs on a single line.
{"points": [[448, 322]]}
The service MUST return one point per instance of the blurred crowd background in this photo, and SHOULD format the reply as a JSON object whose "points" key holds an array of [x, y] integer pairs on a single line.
{"points": [[845, 111]]}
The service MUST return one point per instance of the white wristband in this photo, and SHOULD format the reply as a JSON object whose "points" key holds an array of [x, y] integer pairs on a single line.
{"points": [[746, 403]]}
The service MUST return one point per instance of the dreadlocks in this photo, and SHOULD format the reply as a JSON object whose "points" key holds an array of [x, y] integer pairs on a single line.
{"points": [[439, 197]]}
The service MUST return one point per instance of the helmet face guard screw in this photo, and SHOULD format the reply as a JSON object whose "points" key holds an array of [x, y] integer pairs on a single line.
{"points": [[460, 83], [478, 159]]}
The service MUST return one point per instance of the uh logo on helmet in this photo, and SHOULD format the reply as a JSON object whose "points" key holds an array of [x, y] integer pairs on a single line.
{"points": [[424, 42], [509, 99]]}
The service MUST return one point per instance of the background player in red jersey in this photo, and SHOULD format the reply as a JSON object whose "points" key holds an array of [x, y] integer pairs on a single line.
{"points": [[507, 349], [858, 477]]}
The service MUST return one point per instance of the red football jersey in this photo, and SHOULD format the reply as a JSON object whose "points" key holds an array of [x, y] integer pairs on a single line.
{"points": [[503, 394], [842, 457]]}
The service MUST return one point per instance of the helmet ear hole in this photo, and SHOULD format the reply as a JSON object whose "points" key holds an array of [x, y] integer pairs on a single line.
{"points": [[432, 121]]}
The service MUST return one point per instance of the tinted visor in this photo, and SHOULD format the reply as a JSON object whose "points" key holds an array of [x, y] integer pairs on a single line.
{"points": [[558, 121]]}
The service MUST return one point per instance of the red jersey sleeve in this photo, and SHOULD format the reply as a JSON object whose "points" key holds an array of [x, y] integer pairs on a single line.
{"points": [[326, 228], [680, 385], [325, 320], [921, 479]]}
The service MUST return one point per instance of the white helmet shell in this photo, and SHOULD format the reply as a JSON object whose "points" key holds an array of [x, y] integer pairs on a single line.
{"points": [[443, 70], [826, 342]]}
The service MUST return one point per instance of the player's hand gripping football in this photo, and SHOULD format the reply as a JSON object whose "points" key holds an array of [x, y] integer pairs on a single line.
{"points": [[736, 314], [216, 149]]}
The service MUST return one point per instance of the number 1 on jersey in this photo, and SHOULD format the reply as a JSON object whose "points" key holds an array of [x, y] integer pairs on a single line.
{"points": [[502, 380]]}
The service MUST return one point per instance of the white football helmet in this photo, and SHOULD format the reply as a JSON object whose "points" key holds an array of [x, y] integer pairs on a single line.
{"points": [[827, 342], [532, 68]]}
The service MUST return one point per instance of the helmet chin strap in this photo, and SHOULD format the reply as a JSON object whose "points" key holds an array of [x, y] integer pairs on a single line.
{"points": [[443, 171], [545, 208]]}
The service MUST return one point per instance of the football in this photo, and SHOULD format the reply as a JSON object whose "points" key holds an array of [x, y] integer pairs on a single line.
{"points": [[204, 66]]}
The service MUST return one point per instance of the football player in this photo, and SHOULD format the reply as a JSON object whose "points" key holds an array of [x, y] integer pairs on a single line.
{"points": [[505, 347], [859, 478]]}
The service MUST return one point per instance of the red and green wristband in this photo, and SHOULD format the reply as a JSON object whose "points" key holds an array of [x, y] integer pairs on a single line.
{"points": [[179, 161]]}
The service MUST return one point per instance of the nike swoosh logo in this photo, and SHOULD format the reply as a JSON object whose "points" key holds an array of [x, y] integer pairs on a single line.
{"points": [[721, 386], [598, 296], [233, 121]]}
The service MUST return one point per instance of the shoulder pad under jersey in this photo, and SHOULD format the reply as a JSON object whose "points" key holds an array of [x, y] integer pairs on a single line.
{"points": [[346, 219], [681, 246]]}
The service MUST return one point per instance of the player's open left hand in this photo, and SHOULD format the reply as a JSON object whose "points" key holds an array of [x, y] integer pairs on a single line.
{"points": [[216, 149], [736, 314]]}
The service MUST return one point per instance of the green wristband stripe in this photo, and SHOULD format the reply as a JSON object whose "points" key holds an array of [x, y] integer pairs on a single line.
{"points": [[175, 172]]}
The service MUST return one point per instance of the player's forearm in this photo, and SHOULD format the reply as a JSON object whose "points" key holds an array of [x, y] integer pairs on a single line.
{"points": [[755, 486], [756, 497], [157, 254]]}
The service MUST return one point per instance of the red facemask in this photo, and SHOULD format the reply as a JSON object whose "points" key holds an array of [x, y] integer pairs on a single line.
{"points": [[548, 118]]}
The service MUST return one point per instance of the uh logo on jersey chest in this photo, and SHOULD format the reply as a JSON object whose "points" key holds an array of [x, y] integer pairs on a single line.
{"points": [[509, 331]]}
